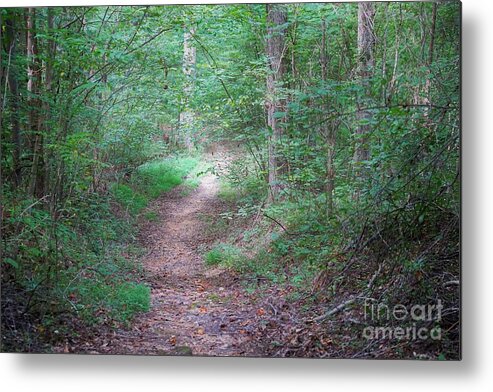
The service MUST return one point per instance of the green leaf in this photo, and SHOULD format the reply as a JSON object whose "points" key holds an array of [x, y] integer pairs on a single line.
{"points": [[12, 262]]}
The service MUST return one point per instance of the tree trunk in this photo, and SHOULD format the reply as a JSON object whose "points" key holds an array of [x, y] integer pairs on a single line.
{"points": [[276, 48], [426, 100], [328, 127], [186, 114], [37, 186], [366, 64], [48, 86], [12, 76]]}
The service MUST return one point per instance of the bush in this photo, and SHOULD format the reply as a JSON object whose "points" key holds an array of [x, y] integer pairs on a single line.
{"points": [[226, 255]]}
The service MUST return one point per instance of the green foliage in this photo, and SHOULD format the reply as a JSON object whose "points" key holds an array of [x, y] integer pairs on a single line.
{"points": [[228, 193], [225, 255], [150, 181], [130, 199], [151, 216], [119, 301], [79, 262], [158, 177]]}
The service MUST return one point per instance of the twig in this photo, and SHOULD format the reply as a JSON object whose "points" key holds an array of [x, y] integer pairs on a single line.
{"points": [[279, 223], [342, 306], [258, 214], [33, 204], [337, 309]]}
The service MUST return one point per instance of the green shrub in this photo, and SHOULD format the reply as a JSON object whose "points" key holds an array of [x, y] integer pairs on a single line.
{"points": [[226, 255], [131, 200], [150, 181], [80, 262], [213, 257], [228, 193]]}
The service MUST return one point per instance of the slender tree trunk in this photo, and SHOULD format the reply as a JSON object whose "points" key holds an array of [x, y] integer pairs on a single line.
{"points": [[35, 118], [186, 114], [48, 86], [366, 64], [276, 48], [427, 88], [328, 126], [12, 76]]}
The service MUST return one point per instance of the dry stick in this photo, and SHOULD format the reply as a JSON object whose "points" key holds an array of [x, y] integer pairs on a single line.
{"points": [[451, 283], [335, 310], [351, 261], [343, 305], [33, 204], [279, 223], [258, 214]]}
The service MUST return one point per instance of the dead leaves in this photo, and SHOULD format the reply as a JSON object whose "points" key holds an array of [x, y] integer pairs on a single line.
{"points": [[200, 331]]}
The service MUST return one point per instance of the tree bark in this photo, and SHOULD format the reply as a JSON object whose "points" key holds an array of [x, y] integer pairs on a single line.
{"points": [[366, 64], [189, 61], [11, 35], [48, 86], [427, 88], [276, 48], [328, 127], [37, 186]]}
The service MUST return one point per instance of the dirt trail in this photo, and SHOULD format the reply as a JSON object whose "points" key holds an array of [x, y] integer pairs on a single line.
{"points": [[195, 310]]}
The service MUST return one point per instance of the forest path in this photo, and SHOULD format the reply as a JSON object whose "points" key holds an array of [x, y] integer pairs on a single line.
{"points": [[195, 310]]}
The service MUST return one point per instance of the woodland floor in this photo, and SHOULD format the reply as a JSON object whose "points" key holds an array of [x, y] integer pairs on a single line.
{"points": [[195, 310]]}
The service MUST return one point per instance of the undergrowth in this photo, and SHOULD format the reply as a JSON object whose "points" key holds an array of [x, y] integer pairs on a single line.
{"points": [[77, 263], [151, 180], [405, 255]]}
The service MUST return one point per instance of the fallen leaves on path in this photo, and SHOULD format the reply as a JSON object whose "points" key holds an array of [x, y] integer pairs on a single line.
{"points": [[194, 310]]}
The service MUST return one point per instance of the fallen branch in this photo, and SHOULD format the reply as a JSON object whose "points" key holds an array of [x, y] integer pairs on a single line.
{"points": [[278, 223], [343, 305], [451, 283], [335, 310]]}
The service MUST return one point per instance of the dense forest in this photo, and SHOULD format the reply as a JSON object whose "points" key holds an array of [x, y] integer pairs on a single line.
{"points": [[242, 179]]}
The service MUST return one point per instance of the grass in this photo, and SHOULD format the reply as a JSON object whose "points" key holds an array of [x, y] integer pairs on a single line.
{"points": [[158, 177], [150, 181], [262, 264], [271, 254], [85, 264], [132, 201], [225, 255], [193, 178], [151, 216], [110, 301], [228, 193]]}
